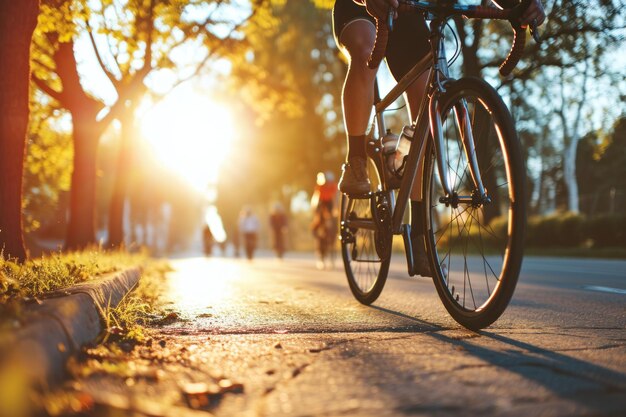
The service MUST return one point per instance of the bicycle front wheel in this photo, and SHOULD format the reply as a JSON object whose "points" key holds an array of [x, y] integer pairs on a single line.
{"points": [[476, 248], [365, 269]]}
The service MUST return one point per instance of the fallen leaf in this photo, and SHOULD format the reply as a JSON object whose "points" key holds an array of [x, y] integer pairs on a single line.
{"points": [[168, 319], [298, 370], [116, 331], [226, 385], [195, 388]]}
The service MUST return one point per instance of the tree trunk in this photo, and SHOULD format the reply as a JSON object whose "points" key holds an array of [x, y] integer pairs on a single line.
{"points": [[86, 137], [17, 23], [120, 187], [569, 176], [81, 223]]}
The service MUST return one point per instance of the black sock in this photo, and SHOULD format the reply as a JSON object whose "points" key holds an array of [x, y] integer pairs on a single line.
{"points": [[356, 146], [417, 223]]}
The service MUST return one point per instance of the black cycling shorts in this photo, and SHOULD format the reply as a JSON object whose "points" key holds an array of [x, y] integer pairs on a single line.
{"points": [[408, 42]]}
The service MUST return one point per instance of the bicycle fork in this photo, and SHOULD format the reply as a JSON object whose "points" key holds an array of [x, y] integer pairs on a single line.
{"points": [[462, 122]]}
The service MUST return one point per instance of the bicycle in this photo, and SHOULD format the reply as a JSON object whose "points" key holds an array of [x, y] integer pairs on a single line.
{"points": [[325, 232], [472, 182]]}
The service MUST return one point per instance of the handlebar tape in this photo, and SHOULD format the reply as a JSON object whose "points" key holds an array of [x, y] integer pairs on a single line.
{"points": [[516, 52], [519, 34]]}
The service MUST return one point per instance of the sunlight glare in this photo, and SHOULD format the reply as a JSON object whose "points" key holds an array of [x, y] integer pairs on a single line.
{"points": [[201, 283], [191, 135]]}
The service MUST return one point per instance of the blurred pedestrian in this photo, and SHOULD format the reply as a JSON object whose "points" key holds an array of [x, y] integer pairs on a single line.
{"points": [[207, 240], [249, 227], [278, 225]]}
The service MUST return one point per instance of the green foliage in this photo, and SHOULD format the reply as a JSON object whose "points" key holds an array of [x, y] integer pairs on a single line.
{"points": [[47, 166], [570, 230], [541, 231], [560, 230], [555, 230], [601, 170], [575, 230], [607, 230]]}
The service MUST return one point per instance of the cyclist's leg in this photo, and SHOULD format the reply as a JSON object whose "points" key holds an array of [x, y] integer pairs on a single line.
{"points": [[358, 91], [355, 34]]}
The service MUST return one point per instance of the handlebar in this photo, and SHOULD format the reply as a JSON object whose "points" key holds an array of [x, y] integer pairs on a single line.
{"points": [[479, 12]]}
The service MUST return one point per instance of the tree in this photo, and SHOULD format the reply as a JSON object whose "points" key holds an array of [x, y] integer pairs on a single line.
{"points": [[142, 41], [128, 47], [17, 23], [56, 74], [572, 81], [578, 39]]}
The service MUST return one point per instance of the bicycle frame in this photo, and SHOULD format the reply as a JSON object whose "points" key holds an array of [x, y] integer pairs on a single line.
{"points": [[438, 76]]}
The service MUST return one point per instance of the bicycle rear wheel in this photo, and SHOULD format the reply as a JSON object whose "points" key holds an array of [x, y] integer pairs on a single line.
{"points": [[365, 269], [476, 249]]}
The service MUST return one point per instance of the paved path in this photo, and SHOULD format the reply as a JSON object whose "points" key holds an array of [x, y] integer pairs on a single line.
{"points": [[300, 345]]}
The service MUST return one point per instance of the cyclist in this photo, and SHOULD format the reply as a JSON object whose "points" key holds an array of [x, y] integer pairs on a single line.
{"points": [[354, 31], [325, 192]]}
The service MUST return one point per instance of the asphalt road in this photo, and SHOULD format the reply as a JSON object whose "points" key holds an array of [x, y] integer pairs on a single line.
{"points": [[300, 345]]}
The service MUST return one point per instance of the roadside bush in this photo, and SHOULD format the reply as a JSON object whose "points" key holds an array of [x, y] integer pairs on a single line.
{"points": [[574, 230], [543, 231], [570, 230], [607, 230]]}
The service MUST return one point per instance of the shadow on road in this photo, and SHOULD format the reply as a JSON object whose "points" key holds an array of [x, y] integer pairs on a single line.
{"points": [[565, 376]]}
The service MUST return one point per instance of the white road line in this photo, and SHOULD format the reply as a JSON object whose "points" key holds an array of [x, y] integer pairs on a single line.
{"points": [[605, 289]]}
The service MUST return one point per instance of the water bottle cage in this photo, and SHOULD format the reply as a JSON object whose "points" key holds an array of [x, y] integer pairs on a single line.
{"points": [[398, 172]]}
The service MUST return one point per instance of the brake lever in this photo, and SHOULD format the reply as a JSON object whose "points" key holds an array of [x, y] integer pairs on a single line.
{"points": [[390, 16]]}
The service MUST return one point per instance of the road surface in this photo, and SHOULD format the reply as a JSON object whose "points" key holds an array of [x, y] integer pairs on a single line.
{"points": [[285, 339]]}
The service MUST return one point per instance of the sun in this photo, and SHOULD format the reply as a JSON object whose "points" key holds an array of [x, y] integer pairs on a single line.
{"points": [[191, 135]]}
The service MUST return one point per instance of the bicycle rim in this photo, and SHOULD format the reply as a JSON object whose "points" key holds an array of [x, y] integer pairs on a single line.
{"points": [[477, 250], [365, 270]]}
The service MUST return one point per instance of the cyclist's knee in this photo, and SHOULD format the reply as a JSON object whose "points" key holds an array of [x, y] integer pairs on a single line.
{"points": [[358, 38]]}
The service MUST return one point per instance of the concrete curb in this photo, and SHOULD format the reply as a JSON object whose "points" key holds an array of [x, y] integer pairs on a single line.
{"points": [[62, 324]]}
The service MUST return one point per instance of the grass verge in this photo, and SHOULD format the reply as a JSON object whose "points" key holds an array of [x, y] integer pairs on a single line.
{"points": [[20, 283], [123, 323], [126, 321]]}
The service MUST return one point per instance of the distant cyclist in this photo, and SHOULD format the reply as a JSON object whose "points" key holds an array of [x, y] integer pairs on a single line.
{"points": [[325, 192]]}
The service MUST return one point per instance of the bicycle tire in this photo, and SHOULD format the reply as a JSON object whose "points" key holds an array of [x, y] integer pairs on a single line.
{"points": [[495, 231], [365, 270]]}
